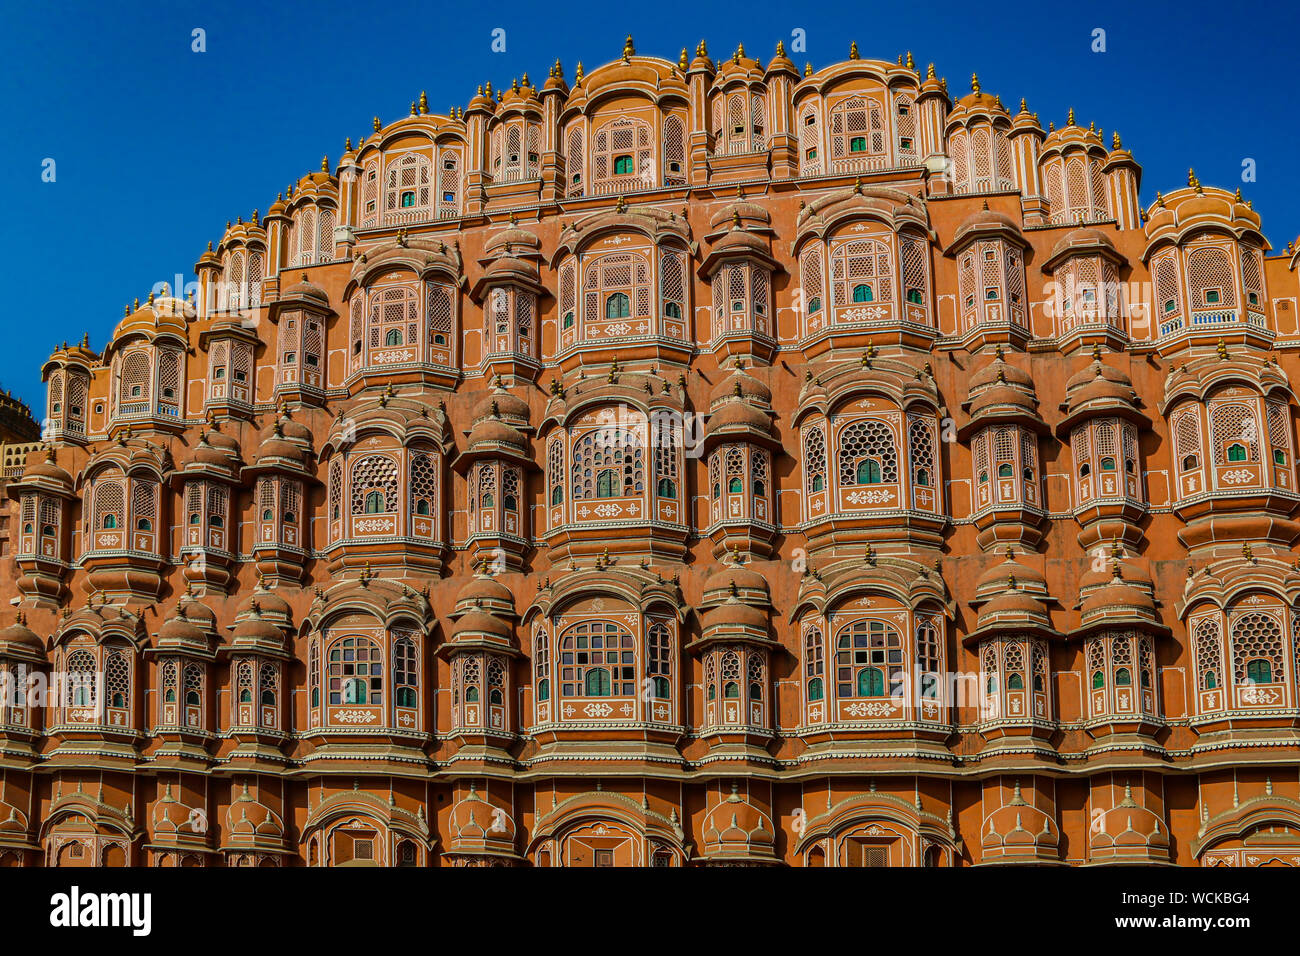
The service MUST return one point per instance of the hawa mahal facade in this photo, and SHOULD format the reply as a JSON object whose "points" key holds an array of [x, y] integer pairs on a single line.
{"points": [[698, 462]]}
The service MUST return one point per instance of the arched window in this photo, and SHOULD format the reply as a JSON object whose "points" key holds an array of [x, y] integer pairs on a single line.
{"points": [[405, 680], [617, 306], [867, 454], [659, 659], [597, 646], [863, 647], [355, 672]]}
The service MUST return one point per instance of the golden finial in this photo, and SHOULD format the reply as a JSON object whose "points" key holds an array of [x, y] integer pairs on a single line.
{"points": [[151, 298], [1115, 142], [488, 88], [853, 50], [621, 205], [1222, 348], [974, 82], [911, 64], [682, 61], [424, 102], [701, 49], [628, 49], [413, 109], [1247, 552], [929, 72], [324, 168], [857, 186], [780, 48], [807, 69], [1192, 181], [577, 75], [514, 85], [1238, 196], [740, 50], [347, 145], [1069, 119], [376, 124], [943, 85]]}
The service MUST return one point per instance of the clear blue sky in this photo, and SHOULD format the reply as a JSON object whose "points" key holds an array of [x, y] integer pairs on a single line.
{"points": [[156, 147]]}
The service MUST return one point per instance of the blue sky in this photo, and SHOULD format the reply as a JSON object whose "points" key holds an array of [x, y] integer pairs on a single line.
{"points": [[156, 146]]}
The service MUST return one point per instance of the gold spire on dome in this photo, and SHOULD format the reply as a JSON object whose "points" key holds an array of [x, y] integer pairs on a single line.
{"points": [[1238, 195], [1023, 107], [853, 50], [1069, 119], [413, 108], [780, 48], [347, 144], [807, 69], [424, 102], [910, 64], [629, 50], [740, 51], [324, 168], [682, 61], [1192, 181], [975, 83], [701, 49], [577, 76], [621, 205], [376, 124], [929, 72], [514, 85], [1115, 141]]}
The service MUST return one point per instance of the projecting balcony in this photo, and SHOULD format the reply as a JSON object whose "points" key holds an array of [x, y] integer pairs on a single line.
{"points": [[1178, 330]]}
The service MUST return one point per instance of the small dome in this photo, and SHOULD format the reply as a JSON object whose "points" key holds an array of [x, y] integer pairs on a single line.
{"points": [[256, 629], [1000, 372], [47, 470], [740, 385], [1002, 397], [180, 630], [481, 623], [304, 288], [501, 404], [19, 634], [484, 590], [739, 416], [494, 432], [745, 579], [732, 615]]}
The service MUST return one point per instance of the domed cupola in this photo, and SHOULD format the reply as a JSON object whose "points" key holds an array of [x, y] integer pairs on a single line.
{"points": [[736, 652], [992, 306], [1102, 424], [1230, 417], [1003, 431], [1071, 165], [385, 462], [1087, 307], [740, 450], [496, 463], [740, 269], [22, 658], [1013, 640], [281, 473], [209, 483], [480, 652], [1120, 630], [1205, 255], [147, 356], [978, 131], [300, 315], [182, 656], [1127, 832], [44, 494], [403, 306], [864, 269], [67, 374], [510, 292]]}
